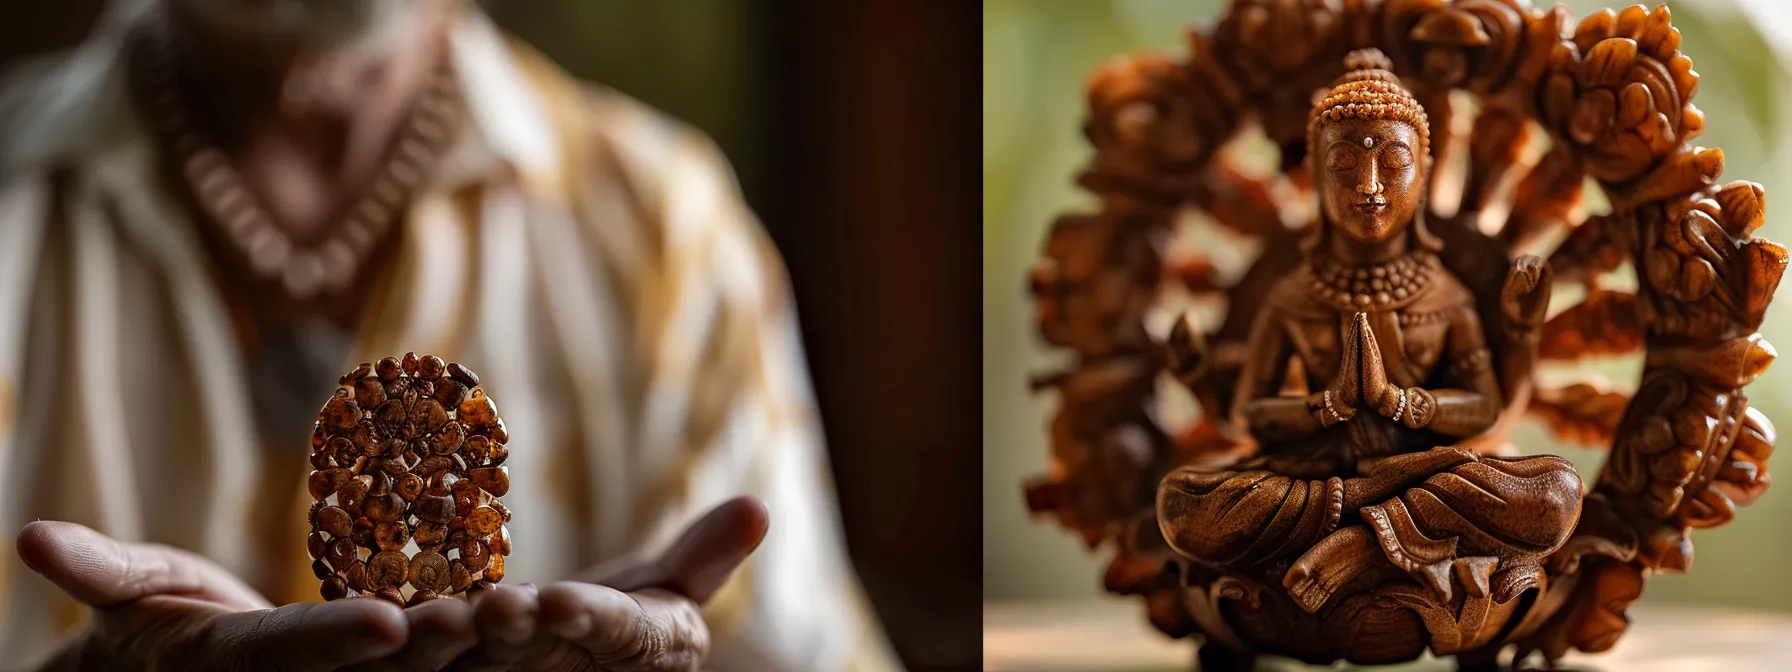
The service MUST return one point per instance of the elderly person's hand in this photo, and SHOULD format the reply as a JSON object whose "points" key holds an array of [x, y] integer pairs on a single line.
{"points": [[645, 617], [160, 608]]}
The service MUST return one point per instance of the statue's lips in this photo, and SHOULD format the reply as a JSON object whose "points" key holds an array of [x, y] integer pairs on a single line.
{"points": [[1372, 206]]}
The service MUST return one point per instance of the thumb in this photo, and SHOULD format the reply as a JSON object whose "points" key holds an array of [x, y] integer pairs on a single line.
{"points": [[705, 555], [311, 636], [101, 572]]}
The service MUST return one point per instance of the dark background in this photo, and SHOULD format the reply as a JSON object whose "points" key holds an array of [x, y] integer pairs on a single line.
{"points": [[851, 127]]}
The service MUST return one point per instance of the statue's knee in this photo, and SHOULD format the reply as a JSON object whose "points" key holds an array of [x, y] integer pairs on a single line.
{"points": [[1551, 481], [1194, 527], [1563, 495], [1212, 517], [1565, 484], [1543, 499]]}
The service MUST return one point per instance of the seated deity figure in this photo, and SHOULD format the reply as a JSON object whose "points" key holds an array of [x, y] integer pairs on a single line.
{"points": [[1366, 365]]}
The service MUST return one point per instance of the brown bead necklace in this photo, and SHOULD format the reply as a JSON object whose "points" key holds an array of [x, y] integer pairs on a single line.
{"points": [[303, 270], [1376, 287]]}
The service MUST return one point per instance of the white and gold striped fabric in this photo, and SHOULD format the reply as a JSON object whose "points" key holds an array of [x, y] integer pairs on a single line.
{"points": [[590, 258]]}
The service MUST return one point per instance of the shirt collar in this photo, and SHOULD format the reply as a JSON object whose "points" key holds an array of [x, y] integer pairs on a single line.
{"points": [[509, 128]]}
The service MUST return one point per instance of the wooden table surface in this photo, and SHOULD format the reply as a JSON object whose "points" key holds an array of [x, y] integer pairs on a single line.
{"points": [[1113, 635]]}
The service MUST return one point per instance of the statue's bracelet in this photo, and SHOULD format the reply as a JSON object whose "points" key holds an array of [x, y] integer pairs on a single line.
{"points": [[1329, 411], [1419, 407]]}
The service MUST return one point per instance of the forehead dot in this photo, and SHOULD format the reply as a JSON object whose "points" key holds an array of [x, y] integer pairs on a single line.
{"points": [[1368, 142]]}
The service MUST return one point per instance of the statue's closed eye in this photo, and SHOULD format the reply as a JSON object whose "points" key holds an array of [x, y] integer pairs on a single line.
{"points": [[1341, 159], [1396, 156]]}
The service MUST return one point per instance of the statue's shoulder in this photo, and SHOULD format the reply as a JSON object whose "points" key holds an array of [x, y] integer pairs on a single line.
{"points": [[1293, 297], [1446, 293]]}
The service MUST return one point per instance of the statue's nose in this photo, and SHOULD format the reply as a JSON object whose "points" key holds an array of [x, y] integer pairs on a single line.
{"points": [[1370, 187]]}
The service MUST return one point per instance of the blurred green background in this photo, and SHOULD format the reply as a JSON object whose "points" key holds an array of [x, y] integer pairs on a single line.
{"points": [[1036, 55]]}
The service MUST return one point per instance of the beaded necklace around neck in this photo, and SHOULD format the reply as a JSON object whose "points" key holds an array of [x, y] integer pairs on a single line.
{"points": [[1376, 287], [329, 264]]}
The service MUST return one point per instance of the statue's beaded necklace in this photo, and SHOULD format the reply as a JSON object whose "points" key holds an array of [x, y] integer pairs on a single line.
{"points": [[1384, 286]]}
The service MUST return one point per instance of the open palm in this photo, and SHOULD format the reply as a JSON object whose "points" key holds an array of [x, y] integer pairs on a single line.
{"points": [[161, 608]]}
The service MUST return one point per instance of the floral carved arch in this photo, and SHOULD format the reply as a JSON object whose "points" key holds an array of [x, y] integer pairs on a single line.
{"points": [[1610, 97]]}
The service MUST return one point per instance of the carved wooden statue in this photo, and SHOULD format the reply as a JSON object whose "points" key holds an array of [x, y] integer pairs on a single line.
{"points": [[1349, 492]]}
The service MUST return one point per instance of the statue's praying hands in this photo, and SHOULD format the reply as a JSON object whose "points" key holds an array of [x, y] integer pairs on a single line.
{"points": [[1362, 382]]}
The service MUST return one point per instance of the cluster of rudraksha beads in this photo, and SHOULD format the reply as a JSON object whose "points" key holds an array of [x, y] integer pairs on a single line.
{"points": [[409, 465]]}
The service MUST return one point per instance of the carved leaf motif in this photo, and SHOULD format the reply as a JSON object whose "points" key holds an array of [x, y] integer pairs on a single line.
{"points": [[1581, 413], [1590, 250], [1606, 323], [1641, 467], [1592, 116], [1450, 26], [1681, 267], [1241, 203], [1728, 364], [1479, 45], [1634, 105], [1745, 477], [1542, 36], [1198, 276], [1595, 27], [1686, 171], [1613, 588], [1106, 455], [1707, 508], [1766, 265], [1702, 281], [1546, 198], [1127, 101], [1621, 92], [1744, 205], [1494, 146], [1263, 40], [1151, 119], [1607, 64], [1098, 278]]}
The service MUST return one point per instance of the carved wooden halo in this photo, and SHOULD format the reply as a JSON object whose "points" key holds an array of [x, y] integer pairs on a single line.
{"points": [[1610, 97]]}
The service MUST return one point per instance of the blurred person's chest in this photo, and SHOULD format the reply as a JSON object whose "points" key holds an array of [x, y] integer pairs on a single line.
{"points": [[171, 397]]}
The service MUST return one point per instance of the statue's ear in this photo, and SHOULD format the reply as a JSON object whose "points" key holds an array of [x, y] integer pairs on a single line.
{"points": [[1422, 238], [1315, 233], [1314, 236]]}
